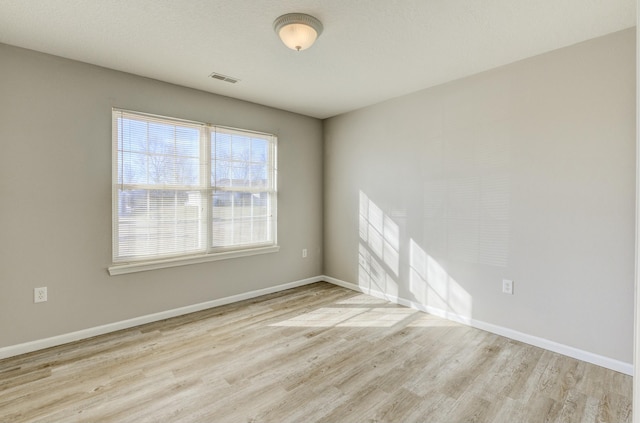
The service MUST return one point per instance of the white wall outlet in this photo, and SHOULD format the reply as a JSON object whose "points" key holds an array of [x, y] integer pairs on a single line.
{"points": [[40, 294], [507, 286], [304, 253]]}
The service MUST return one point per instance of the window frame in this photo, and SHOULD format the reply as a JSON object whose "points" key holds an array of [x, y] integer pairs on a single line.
{"points": [[207, 187]]}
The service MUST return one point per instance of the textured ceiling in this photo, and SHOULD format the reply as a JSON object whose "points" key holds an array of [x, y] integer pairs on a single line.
{"points": [[370, 50]]}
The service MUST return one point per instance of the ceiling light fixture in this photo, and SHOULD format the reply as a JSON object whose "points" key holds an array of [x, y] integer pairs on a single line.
{"points": [[297, 30]]}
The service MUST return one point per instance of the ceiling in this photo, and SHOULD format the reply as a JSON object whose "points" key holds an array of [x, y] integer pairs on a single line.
{"points": [[370, 50]]}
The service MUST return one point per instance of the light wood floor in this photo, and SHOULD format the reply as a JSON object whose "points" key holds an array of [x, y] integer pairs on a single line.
{"points": [[315, 353]]}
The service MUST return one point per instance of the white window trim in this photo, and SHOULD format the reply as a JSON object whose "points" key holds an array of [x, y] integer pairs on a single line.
{"points": [[120, 268]]}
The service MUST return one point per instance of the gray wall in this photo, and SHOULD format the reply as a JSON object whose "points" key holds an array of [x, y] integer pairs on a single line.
{"points": [[55, 197], [525, 172]]}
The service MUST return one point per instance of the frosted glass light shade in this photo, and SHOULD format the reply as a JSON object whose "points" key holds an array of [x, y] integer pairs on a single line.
{"points": [[297, 30], [298, 36]]}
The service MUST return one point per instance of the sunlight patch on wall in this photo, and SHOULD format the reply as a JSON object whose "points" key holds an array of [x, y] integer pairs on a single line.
{"points": [[380, 233], [379, 249], [433, 287], [390, 252], [372, 274]]}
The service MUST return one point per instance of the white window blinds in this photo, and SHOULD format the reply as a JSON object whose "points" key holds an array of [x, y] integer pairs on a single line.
{"points": [[184, 188], [243, 178]]}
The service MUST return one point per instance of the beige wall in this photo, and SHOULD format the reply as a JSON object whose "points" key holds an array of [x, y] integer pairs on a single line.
{"points": [[525, 172], [55, 198]]}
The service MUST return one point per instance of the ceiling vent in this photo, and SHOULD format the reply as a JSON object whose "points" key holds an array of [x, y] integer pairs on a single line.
{"points": [[224, 78]]}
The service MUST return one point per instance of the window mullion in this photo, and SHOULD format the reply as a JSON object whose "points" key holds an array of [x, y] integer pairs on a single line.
{"points": [[206, 147]]}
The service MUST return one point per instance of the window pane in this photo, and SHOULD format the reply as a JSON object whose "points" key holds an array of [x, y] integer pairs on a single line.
{"points": [[240, 174], [259, 150], [222, 145], [158, 153], [240, 218], [159, 222], [133, 167], [240, 161], [133, 135], [162, 205], [221, 173], [258, 175], [187, 142], [187, 171], [261, 228], [241, 148], [172, 170]]}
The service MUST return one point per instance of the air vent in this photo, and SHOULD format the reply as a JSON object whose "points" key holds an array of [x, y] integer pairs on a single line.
{"points": [[224, 78]]}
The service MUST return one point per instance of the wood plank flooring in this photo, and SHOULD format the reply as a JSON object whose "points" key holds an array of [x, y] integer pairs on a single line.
{"points": [[318, 353]]}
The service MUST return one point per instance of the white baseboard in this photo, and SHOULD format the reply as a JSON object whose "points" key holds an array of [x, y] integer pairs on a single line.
{"points": [[40, 344], [609, 363], [589, 357]]}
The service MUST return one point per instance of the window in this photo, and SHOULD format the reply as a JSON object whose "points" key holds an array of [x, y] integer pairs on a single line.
{"points": [[184, 190]]}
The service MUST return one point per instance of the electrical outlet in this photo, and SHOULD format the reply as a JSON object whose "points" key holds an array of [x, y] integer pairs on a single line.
{"points": [[304, 253], [507, 286], [40, 294]]}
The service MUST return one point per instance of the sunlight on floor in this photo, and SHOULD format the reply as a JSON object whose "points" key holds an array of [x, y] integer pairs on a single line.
{"points": [[350, 317], [363, 299], [428, 321]]}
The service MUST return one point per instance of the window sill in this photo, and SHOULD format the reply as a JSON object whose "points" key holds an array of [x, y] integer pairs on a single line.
{"points": [[121, 269]]}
